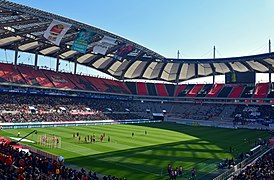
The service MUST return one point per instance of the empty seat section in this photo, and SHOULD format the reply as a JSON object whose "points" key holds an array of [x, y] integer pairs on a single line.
{"points": [[115, 86], [122, 85], [76, 80], [236, 92], [58, 79], [170, 89], [186, 90], [2, 77], [151, 89], [34, 77], [180, 88], [215, 90], [225, 91], [161, 89], [248, 92], [132, 87], [83, 82], [141, 88], [271, 92], [205, 90], [97, 83], [8, 73], [196, 89], [261, 90]]}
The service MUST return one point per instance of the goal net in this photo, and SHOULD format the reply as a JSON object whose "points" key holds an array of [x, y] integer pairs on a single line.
{"points": [[49, 141]]}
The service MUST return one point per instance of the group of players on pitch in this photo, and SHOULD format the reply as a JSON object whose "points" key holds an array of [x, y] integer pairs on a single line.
{"points": [[92, 138]]}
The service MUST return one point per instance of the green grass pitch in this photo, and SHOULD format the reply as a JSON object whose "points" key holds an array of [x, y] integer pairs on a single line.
{"points": [[147, 156]]}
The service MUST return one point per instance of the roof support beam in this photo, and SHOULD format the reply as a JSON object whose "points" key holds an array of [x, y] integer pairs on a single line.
{"points": [[95, 58], [75, 65], [213, 72], [145, 68], [178, 73], [18, 22], [36, 60], [229, 67], [196, 70], [270, 67], [269, 76], [125, 70], [248, 66], [6, 13], [162, 70], [15, 56], [109, 65], [21, 32], [57, 63]]}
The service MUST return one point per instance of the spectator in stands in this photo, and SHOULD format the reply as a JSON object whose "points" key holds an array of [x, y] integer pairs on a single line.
{"points": [[48, 108], [18, 165], [263, 168]]}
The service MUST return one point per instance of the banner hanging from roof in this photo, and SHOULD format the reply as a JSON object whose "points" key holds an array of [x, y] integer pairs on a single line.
{"points": [[123, 51], [82, 40], [56, 31], [104, 44]]}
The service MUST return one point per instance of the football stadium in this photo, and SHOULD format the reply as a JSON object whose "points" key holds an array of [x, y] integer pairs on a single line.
{"points": [[147, 121]]}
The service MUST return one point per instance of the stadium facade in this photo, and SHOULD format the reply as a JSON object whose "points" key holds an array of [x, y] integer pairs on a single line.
{"points": [[69, 97], [24, 29]]}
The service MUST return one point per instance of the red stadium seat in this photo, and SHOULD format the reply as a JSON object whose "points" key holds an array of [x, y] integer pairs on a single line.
{"points": [[34, 77], [8, 73], [261, 90], [195, 90], [236, 92], [161, 89], [141, 88], [215, 90]]}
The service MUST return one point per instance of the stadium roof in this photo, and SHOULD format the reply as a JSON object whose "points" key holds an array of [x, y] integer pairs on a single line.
{"points": [[22, 28]]}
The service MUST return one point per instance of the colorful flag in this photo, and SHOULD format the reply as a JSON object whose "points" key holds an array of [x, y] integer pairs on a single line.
{"points": [[56, 31], [104, 44], [82, 40], [123, 51]]}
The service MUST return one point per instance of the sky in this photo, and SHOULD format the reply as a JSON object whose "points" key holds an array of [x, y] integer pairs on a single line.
{"points": [[235, 27]]}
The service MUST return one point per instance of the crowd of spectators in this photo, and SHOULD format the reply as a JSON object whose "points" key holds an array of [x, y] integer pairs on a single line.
{"points": [[15, 107], [20, 165], [33, 108], [197, 111], [254, 114], [262, 168]]}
